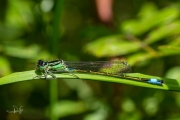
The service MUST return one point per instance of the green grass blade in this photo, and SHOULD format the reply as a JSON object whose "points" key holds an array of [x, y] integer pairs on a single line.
{"points": [[170, 84], [17, 77]]}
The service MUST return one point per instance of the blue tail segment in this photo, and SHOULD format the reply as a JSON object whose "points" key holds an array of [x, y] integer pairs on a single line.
{"points": [[155, 81]]}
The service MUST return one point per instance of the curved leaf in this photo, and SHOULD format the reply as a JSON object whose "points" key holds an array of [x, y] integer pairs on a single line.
{"points": [[169, 84], [111, 46]]}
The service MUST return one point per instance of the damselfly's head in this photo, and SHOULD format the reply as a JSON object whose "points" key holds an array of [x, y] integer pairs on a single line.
{"points": [[40, 67], [41, 64]]}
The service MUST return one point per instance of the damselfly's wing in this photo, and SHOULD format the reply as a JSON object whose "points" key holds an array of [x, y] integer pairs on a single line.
{"points": [[108, 67]]}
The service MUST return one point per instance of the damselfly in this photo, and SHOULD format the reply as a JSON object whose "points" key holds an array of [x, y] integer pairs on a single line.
{"points": [[111, 68]]}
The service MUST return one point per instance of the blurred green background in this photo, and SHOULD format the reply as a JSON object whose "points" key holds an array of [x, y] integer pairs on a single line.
{"points": [[145, 33]]}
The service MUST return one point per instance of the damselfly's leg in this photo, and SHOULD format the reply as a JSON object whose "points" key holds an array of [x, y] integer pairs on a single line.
{"points": [[50, 73], [67, 69]]}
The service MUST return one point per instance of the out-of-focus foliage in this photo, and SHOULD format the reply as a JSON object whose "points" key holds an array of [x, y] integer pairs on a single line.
{"points": [[146, 34], [150, 26]]}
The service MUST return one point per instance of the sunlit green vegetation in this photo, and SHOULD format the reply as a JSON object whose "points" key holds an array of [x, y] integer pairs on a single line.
{"points": [[145, 34]]}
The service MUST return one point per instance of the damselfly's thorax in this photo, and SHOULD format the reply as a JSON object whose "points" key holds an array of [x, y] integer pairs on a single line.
{"points": [[55, 62]]}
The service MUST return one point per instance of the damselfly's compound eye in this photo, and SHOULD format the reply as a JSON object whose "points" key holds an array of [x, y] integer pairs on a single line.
{"points": [[41, 63]]}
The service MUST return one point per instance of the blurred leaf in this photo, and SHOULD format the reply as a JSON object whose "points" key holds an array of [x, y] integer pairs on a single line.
{"points": [[100, 110], [169, 50], [129, 26], [163, 32], [147, 10], [175, 41], [173, 73], [5, 66], [170, 84], [167, 15], [83, 89], [66, 107], [152, 19], [22, 52], [164, 50], [145, 16], [138, 57], [129, 116], [111, 46], [19, 14]]}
